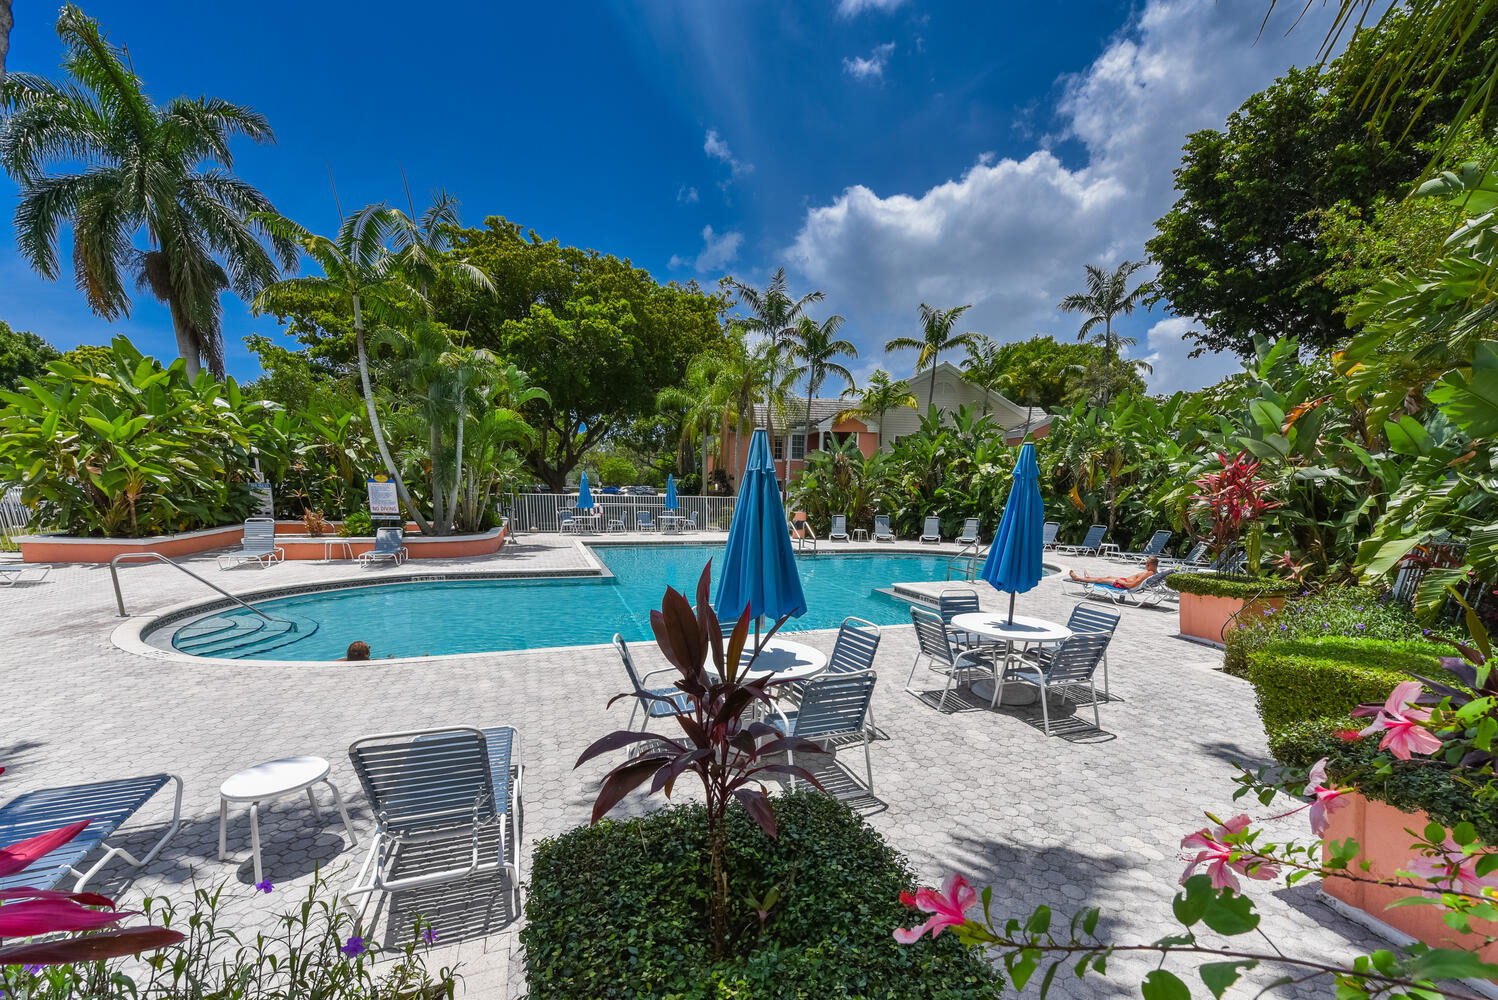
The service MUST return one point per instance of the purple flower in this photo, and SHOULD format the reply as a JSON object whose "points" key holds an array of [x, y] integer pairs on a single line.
{"points": [[429, 936], [354, 947], [1360, 607], [1361, 625], [1284, 628], [264, 885], [1269, 611], [1305, 593], [33, 970], [1326, 624], [1425, 631]]}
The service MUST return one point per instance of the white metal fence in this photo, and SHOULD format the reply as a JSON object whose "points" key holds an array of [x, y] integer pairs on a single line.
{"points": [[538, 511], [14, 517]]}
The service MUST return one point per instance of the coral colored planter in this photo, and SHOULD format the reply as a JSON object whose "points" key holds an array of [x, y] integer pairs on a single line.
{"points": [[417, 546], [1205, 617], [1379, 829], [68, 549]]}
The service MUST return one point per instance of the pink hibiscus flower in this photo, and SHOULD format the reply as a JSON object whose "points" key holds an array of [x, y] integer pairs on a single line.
{"points": [[1455, 869], [1401, 725], [1217, 855], [946, 908], [1328, 798]]}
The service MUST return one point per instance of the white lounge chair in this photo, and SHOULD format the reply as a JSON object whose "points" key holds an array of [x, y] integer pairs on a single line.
{"points": [[258, 545], [1146, 594], [387, 546], [839, 528], [932, 531], [882, 532], [12, 575], [969, 532]]}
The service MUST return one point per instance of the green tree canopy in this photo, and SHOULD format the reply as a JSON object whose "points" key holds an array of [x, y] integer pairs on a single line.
{"points": [[1047, 373], [1240, 251], [599, 333], [22, 355]]}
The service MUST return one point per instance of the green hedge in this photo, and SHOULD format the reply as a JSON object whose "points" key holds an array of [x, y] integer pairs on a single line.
{"points": [[1357, 612], [1309, 679], [1222, 585], [618, 910]]}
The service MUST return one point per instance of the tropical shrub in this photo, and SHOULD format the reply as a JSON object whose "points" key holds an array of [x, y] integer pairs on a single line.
{"points": [[316, 951], [127, 448], [1305, 679], [359, 524], [1351, 612], [1243, 588], [616, 910]]}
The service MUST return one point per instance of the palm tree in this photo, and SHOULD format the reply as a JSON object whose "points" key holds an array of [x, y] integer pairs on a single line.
{"points": [[1106, 296], [936, 336], [157, 171], [697, 399], [361, 271], [773, 314], [880, 395], [818, 348], [6, 21]]}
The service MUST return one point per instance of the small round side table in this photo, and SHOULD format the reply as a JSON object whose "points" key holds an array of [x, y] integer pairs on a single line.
{"points": [[273, 780]]}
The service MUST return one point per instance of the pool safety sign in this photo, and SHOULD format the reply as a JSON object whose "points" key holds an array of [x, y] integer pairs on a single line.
{"points": [[382, 498], [265, 501]]}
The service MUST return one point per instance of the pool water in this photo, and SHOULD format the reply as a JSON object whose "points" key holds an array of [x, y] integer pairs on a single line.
{"points": [[449, 617]]}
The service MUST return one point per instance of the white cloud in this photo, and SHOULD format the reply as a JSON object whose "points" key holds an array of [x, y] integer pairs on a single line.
{"points": [[715, 147], [686, 195], [871, 68], [718, 249], [852, 8], [1167, 348], [1011, 234]]}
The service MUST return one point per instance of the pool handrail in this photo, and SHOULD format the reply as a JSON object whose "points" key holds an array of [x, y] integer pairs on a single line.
{"points": [[119, 598]]}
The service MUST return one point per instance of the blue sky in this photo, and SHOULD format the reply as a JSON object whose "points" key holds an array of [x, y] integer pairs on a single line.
{"points": [[887, 151]]}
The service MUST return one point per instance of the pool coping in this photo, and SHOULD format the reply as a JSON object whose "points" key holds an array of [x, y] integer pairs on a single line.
{"points": [[130, 634]]}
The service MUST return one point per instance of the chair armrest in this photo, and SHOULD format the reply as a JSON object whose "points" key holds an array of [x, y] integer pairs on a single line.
{"points": [[659, 670]]}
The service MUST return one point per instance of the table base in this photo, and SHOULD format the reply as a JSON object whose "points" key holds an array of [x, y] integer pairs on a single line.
{"points": [[1015, 693]]}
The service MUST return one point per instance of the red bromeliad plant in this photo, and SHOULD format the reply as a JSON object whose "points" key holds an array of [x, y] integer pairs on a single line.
{"points": [[727, 751], [27, 912], [1231, 498]]}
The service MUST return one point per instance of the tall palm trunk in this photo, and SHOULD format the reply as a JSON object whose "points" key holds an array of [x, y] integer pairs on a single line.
{"points": [[187, 344], [452, 503], [374, 424], [434, 448], [931, 392], [5, 24], [706, 430], [806, 444]]}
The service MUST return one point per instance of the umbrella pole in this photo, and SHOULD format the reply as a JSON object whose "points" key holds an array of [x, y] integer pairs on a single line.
{"points": [[1011, 607]]}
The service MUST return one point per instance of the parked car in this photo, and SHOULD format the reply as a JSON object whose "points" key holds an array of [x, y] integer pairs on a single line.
{"points": [[640, 491]]}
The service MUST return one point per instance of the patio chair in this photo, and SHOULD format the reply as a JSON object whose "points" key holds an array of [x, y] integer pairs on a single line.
{"points": [[882, 532], [932, 531], [643, 521], [12, 575], [1048, 534], [833, 706], [839, 528], [387, 547], [567, 521], [457, 788], [1153, 547], [958, 601], [1087, 618], [1073, 663], [1089, 544], [107, 805], [969, 532], [657, 703], [691, 524], [258, 545], [936, 645]]}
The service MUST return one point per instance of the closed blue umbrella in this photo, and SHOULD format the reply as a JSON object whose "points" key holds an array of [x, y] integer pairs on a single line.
{"points": [[670, 492], [759, 566], [1014, 562], [584, 495]]}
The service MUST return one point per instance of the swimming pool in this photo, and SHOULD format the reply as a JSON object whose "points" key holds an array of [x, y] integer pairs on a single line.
{"points": [[443, 618]]}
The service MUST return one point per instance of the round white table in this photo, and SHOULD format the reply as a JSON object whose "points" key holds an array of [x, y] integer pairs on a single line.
{"points": [[272, 780], [785, 660], [1017, 635]]}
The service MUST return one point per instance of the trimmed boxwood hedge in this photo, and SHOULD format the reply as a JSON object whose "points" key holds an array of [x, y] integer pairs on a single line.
{"points": [[619, 910], [1242, 588], [1310, 679]]}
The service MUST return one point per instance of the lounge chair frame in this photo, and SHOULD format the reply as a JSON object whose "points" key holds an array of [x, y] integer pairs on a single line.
{"points": [[839, 529], [257, 545], [931, 530], [885, 535], [1089, 544], [383, 548]]}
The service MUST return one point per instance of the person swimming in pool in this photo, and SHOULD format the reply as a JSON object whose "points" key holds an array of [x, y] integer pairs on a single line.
{"points": [[1151, 566], [357, 650]]}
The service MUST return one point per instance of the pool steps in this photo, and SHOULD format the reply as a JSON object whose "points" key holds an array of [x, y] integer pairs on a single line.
{"points": [[235, 636]]}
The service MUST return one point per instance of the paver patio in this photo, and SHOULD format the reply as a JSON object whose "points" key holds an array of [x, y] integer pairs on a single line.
{"points": [[1086, 818]]}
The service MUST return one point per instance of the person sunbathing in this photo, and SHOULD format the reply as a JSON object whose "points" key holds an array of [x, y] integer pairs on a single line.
{"points": [[1151, 566]]}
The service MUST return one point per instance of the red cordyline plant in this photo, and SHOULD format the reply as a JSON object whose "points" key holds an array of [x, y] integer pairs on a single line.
{"points": [[727, 751], [30, 913], [1231, 498]]}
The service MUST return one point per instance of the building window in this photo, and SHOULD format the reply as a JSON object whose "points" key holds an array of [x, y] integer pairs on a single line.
{"points": [[833, 439], [798, 447], [779, 449]]}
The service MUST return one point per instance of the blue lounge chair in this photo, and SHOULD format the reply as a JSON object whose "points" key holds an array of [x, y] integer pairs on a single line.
{"points": [[932, 531], [257, 545], [969, 534], [882, 532], [1154, 547], [1089, 544], [839, 528], [387, 546], [456, 789], [692, 524], [1048, 534], [657, 703], [1195, 559], [1148, 593], [107, 804], [1067, 666]]}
